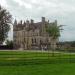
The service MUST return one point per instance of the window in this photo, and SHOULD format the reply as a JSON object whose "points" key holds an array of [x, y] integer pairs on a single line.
{"points": [[34, 40]]}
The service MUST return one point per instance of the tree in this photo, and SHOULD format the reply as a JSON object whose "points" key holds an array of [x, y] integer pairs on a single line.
{"points": [[5, 20], [54, 32], [9, 43]]}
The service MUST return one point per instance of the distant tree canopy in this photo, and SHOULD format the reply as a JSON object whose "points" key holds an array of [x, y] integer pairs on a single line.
{"points": [[5, 20], [71, 43]]}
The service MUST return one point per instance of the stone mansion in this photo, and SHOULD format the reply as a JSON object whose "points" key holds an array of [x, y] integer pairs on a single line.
{"points": [[29, 35]]}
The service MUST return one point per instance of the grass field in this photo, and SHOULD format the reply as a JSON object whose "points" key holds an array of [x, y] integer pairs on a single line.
{"points": [[36, 63]]}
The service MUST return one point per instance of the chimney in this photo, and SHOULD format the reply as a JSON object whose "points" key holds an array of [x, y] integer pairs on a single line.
{"points": [[27, 21], [32, 21]]}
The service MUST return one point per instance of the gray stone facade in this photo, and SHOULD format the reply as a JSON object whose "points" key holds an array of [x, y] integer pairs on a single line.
{"points": [[31, 35]]}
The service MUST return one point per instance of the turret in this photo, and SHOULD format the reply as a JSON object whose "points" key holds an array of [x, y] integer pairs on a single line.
{"points": [[24, 23], [15, 22], [32, 24], [15, 25], [27, 23], [43, 26]]}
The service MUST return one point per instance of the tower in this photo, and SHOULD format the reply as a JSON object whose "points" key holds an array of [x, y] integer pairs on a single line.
{"points": [[43, 26]]}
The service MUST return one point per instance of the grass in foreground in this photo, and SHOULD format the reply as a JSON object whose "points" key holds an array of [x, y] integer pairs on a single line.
{"points": [[33, 63], [44, 69]]}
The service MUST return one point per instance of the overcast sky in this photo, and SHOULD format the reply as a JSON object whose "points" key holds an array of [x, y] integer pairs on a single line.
{"points": [[61, 10]]}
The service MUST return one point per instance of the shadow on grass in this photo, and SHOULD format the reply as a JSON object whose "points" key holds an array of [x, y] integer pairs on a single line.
{"points": [[22, 62]]}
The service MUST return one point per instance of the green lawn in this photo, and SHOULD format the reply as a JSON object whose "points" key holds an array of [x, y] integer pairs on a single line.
{"points": [[36, 63]]}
